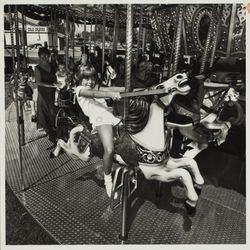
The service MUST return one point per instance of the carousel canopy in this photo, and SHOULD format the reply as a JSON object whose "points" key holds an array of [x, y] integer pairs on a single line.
{"points": [[94, 13]]}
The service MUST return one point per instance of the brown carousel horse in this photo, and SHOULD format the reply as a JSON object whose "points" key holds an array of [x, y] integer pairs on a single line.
{"points": [[143, 142], [209, 122]]}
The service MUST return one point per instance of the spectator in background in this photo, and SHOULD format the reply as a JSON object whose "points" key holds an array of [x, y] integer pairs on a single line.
{"points": [[143, 69], [96, 61], [109, 73], [27, 76], [72, 65], [54, 59], [61, 77], [45, 79]]}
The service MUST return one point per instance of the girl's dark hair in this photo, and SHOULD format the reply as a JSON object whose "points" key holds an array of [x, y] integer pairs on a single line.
{"points": [[43, 50]]}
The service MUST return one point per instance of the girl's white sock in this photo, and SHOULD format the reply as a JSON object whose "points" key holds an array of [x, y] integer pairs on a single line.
{"points": [[108, 184]]}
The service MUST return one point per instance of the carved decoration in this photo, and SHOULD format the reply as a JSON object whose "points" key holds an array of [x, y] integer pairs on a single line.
{"points": [[238, 39], [195, 17]]}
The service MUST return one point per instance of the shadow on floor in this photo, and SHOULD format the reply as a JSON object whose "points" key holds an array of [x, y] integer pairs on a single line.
{"points": [[21, 228]]}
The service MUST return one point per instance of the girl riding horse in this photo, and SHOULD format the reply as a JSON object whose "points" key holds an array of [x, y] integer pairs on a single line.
{"points": [[91, 99]]}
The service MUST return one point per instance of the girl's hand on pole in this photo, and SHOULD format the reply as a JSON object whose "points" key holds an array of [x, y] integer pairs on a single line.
{"points": [[115, 96]]}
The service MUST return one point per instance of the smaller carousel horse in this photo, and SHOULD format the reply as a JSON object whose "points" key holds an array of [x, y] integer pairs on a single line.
{"points": [[143, 142]]}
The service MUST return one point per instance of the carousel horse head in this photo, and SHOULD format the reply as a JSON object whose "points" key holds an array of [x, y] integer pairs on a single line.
{"points": [[176, 85]]}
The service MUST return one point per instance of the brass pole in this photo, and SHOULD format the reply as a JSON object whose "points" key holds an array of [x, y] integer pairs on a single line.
{"points": [[114, 48], [73, 38], [85, 23], [22, 137], [55, 31], [139, 35], [129, 44], [231, 27], [16, 72], [103, 36], [90, 38], [143, 39], [23, 37], [184, 37], [67, 42], [178, 40], [95, 29], [129, 39], [52, 27], [208, 42], [215, 38]]}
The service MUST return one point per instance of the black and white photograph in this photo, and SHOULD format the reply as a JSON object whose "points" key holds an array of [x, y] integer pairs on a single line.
{"points": [[123, 124]]}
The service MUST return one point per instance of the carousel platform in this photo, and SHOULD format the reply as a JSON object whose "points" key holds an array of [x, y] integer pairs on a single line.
{"points": [[67, 198]]}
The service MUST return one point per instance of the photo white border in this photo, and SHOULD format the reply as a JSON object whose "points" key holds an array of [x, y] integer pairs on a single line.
{"points": [[2, 134]]}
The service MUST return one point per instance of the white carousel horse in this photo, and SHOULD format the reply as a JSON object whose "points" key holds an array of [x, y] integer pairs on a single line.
{"points": [[210, 121], [152, 143]]}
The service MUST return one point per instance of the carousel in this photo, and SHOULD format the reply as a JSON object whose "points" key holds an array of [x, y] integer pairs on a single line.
{"points": [[178, 167]]}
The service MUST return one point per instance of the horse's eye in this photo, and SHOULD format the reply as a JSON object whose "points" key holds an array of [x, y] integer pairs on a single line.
{"points": [[179, 76]]}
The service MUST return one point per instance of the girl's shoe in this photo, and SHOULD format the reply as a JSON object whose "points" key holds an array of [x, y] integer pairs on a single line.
{"points": [[108, 187], [197, 188], [191, 209], [34, 118]]}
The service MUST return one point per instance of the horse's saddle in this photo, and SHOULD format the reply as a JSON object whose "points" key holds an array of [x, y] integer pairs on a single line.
{"points": [[123, 145], [130, 151]]}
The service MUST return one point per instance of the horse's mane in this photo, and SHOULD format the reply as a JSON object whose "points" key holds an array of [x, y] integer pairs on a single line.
{"points": [[138, 113]]}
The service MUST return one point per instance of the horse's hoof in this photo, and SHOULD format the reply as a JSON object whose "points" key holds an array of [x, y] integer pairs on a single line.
{"points": [[198, 188], [191, 210], [51, 155]]}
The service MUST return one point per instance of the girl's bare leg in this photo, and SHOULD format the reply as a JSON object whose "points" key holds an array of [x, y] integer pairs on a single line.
{"points": [[106, 135]]}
